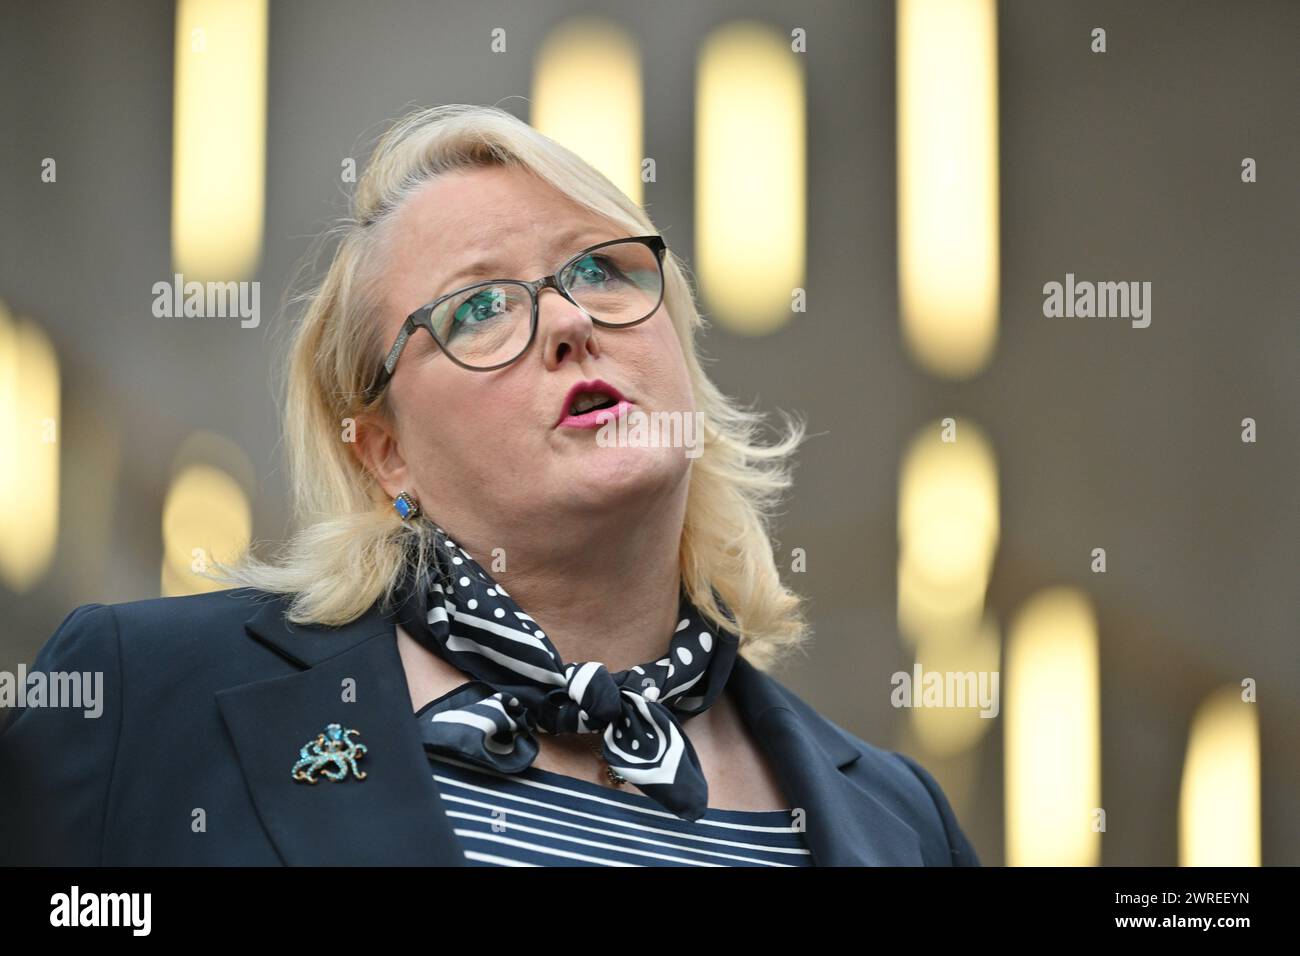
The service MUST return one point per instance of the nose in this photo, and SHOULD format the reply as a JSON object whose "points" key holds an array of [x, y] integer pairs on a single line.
{"points": [[563, 327]]}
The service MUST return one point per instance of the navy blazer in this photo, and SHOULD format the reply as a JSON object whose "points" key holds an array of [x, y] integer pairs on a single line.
{"points": [[208, 698]]}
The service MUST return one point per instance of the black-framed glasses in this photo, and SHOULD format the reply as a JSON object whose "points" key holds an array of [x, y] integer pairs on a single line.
{"points": [[489, 324]]}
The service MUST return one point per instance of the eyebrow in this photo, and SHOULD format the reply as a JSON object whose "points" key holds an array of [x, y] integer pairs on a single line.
{"points": [[489, 267]]}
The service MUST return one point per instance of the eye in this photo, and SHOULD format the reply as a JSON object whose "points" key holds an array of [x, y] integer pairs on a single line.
{"points": [[593, 269], [481, 306]]}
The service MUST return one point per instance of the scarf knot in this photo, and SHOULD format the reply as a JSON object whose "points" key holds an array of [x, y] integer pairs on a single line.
{"points": [[589, 702], [520, 686]]}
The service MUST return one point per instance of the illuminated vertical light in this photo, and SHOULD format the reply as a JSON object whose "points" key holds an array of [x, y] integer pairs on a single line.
{"points": [[219, 145], [206, 515], [587, 96], [948, 529], [749, 177], [1052, 727], [1218, 805], [29, 452], [948, 256], [970, 670]]}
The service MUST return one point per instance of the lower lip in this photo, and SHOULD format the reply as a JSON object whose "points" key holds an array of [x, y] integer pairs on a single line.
{"points": [[596, 417]]}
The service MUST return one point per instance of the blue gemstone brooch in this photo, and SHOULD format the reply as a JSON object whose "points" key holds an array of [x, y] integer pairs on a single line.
{"points": [[330, 749]]}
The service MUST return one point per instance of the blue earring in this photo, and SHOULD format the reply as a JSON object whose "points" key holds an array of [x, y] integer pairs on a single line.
{"points": [[406, 506]]}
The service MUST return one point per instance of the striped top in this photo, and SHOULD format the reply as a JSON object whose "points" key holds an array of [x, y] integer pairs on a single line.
{"points": [[541, 818]]}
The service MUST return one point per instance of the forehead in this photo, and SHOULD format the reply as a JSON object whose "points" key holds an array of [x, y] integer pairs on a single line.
{"points": [[504, 214], [466, 213]]}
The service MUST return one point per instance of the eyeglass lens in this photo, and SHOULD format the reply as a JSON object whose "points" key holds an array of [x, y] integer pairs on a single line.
{"points": [[489, 323]]}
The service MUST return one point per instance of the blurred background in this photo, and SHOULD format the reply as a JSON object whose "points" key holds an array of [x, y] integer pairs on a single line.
{"points": [[871, 197]]}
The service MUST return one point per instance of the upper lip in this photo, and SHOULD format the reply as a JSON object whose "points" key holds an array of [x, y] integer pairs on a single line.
{"points": [[595, 385]]}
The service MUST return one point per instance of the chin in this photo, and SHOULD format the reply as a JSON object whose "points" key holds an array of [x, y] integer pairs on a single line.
{"points": [[607, 475]]}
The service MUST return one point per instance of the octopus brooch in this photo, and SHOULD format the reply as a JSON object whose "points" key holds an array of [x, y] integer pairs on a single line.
{"points": [[330, 749]]}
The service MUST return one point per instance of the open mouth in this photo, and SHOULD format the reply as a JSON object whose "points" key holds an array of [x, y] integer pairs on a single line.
{"points": [[586, 398], [592, 402]]}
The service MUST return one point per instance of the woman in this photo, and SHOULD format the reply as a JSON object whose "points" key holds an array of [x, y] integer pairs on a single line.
{"points": [[513, 629]]}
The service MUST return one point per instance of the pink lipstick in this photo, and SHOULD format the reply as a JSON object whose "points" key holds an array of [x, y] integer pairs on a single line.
{"points": [[591, 404]]}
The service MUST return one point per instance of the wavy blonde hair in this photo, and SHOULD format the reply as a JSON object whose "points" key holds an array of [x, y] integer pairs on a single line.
{"points": [[350, 548]]}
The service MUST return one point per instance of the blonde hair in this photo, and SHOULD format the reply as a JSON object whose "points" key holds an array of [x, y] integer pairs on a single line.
{"points": [[350, 547]]}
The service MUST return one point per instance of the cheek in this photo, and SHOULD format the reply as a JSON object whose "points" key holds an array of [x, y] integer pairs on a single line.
{"points": [[469, 426], [439, 422], [671, 363], [665, 341]]}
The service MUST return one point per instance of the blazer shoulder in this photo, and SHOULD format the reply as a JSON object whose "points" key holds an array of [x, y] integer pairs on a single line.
{"points": [[211, 621], [960, 850], [145, 664], [211, 611], [137, 643], [59, 749], [906, 788], [194, 641], [832, 736], [86, 641]]}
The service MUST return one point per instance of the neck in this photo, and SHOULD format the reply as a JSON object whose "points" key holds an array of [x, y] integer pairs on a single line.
{"points": [[603, 587]]}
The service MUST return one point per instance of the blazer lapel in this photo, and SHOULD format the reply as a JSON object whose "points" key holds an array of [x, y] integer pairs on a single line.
{"points": [[395, 816], [846, 825]]}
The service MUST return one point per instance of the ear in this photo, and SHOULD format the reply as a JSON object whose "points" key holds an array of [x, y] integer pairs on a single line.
{"points": [[377, 450]]}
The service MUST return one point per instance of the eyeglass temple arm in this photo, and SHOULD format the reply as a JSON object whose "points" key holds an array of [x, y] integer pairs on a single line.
{"points": [[386, 372]]}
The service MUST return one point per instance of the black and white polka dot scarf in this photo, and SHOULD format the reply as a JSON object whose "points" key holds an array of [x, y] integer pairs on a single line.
{"points": [[521, 686]]}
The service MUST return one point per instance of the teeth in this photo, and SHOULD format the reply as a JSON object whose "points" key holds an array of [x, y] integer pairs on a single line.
{"points": [[589, 400]]}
